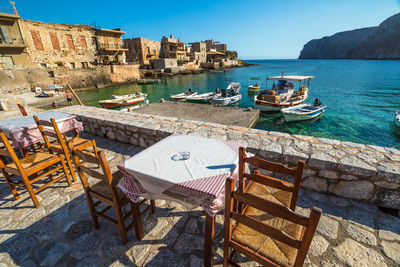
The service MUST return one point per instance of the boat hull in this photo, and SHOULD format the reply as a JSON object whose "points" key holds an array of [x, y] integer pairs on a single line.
{"points": [[302, 112], [265, 106], [225, 101], [397, 119], [124, 104]]}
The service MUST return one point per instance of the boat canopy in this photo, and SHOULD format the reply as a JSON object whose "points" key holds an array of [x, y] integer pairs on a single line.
{"points": [[291, 78]]}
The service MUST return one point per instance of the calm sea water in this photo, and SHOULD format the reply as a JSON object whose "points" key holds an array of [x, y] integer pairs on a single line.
{"points": [[361, 96]]}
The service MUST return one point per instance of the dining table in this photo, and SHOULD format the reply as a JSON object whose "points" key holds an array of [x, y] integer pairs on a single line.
{"points": [[23, 131], [187, 169]]}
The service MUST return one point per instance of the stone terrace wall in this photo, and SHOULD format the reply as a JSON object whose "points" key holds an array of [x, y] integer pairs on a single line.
{"points": [[363, 172]]}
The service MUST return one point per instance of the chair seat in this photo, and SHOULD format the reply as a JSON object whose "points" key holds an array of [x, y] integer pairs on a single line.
{"points": [[265, 245], [270, 193], [103, 188], [32, 161]]}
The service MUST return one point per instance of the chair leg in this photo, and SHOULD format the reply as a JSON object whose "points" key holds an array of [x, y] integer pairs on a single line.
{"points": [[71, 169], [121, 223], [95, 219], [65, 170], [30, 190], [10, 185], [153, 205], [137, 220]]}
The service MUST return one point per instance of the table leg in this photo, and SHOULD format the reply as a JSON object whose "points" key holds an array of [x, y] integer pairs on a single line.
{"points": [[209, 241]]}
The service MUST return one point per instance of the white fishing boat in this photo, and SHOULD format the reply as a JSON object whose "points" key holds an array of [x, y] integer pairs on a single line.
{"points": [[202, 98], [283, 94], [183, 96], [303, 112], [397, 118], [228, 96], [254, 88]]}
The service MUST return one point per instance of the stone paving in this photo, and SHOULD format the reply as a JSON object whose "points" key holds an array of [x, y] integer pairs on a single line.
{"points": [[60, 232]]}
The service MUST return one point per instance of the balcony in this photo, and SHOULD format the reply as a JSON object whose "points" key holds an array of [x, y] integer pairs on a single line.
{"points": [[112, 48], [12, 43]]}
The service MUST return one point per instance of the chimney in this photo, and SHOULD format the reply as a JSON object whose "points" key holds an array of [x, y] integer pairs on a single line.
{"points": [[171, 36]]}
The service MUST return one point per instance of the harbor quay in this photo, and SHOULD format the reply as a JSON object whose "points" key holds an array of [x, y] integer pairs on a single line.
{"points": [[345, 180]]}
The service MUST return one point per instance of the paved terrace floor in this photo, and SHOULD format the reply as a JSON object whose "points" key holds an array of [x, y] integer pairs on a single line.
{"points": [[60, 232]]}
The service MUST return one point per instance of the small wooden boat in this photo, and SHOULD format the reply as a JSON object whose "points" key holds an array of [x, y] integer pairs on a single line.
{"points": [[302, 112], [182, 96], [118, 101], [148, 81], [397, 118], [203, 98], [283, 94], [254, 88], [228, 96]]}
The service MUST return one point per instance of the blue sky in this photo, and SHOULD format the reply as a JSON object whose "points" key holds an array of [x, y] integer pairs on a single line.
{"points": [[257, 29]]}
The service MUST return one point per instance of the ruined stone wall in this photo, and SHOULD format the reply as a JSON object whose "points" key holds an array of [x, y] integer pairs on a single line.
{"points": [[363, 172], [54, 44], [124, 73], [22, 79]]}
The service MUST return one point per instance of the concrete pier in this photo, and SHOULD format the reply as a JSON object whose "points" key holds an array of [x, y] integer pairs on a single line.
{"points": [[232, 116]]}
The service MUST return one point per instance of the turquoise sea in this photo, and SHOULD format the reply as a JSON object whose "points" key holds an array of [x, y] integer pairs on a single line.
{"points": [[362, 96]]}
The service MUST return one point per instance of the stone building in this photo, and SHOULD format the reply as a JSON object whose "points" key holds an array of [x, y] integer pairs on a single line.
{"points": [[12, 45], [173, 48], [57, 45], [109, 46], [216, 46], [164, 64], [141, 50], [199, 52]]}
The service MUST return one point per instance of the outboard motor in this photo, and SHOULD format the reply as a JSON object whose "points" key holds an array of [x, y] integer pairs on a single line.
{"points": [[317, 102]]}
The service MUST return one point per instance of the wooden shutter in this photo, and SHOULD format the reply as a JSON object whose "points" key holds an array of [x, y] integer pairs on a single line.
{"points": [[54, 41], [70, 41], [82, 39]]}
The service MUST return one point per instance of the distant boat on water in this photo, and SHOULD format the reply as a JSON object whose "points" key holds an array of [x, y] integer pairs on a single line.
{"points": [[303, 112], [228, 96]]}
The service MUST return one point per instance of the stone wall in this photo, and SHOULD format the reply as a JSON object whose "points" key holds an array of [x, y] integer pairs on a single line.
{"points": [[124, 73], [53, 44], [363, 172], [141, 50]]}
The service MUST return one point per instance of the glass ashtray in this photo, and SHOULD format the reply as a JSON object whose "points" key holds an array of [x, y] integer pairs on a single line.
{"points": [[184, 155]]}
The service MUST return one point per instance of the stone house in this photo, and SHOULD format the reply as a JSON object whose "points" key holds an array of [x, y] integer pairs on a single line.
{"points": [[164, 64], [213, 45], [199, 52], [109, 46], [57, 45], [141, 50], [12, 44], [173, 48]]}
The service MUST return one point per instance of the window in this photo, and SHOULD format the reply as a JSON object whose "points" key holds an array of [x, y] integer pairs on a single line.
{"points": [[4, 38], [85, 65], [72, 65], [51, 74], [54, 41], [70, 41], [37, 40], [59, 64], [94, 43], [44, 65], [82, 39]]}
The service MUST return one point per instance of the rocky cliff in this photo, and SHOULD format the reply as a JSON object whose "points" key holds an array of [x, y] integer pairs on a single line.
{"points": [[382, 42]]}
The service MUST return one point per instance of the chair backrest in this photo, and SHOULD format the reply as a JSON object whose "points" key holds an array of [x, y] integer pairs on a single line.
{"points": [[294, 187], [82, 158], [22, 109], [51, 131], [302, 244], [8, 151]]}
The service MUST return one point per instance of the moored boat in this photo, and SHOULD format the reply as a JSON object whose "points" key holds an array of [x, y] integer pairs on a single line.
{"points": [[303, 112], [397, 118], [118, 101], [202, 98], [254, 88], [183, 96], [228, 96], [283, 94], [148, 81]]}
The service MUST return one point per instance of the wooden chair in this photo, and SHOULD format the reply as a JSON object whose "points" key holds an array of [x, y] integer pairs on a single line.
{"points": [[22, 109], [62, 144], [265, 231], [273, 189], [31, 169], [105, 191]]}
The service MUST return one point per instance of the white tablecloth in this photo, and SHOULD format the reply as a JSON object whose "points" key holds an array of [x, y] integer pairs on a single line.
{"points": [[200, 180]]}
